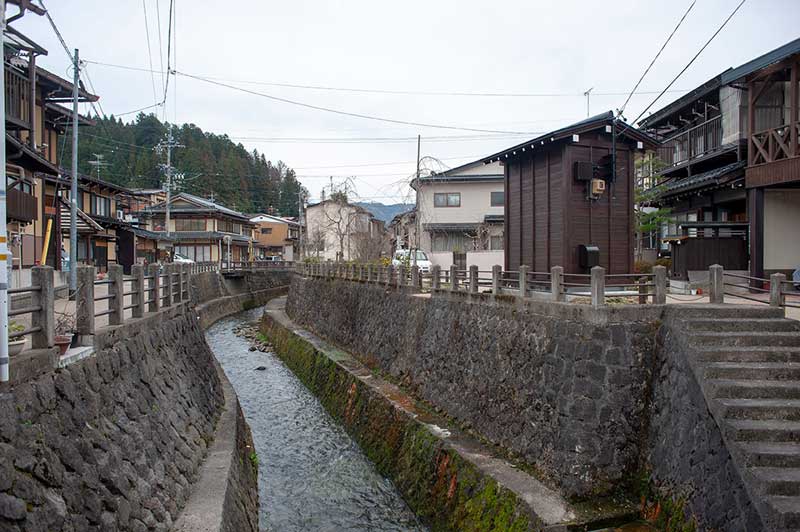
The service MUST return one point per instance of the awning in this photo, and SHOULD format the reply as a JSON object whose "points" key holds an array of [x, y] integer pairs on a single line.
{"points": [[712, 178]]}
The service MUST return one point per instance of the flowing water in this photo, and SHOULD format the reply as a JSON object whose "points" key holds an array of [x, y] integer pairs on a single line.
{"points": [[312, 476]]}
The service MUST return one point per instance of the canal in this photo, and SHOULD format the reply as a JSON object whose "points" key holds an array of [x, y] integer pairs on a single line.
{"points": [[312, 476]]}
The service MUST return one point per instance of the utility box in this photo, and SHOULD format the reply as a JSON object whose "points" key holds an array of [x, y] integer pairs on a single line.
{"points": [[588, 256], [583, 171], [598, 187]]}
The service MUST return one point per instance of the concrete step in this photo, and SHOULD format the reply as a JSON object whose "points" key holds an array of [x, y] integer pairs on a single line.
{"points": [[788, 508], [787, 409], [779, 480], [754, 389], [749, 354], [745, 339], [779, 371], [763, 430], [705, 310], [771, 454], [743, 325]]}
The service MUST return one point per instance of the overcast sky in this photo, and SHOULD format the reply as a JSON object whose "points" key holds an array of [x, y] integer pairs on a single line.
{"points": [[555, 48]]}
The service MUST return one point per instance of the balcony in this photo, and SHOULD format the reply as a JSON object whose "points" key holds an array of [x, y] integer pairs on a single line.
{"points": [[21, 205], [692, 143], [774, 156], [18, 97]]}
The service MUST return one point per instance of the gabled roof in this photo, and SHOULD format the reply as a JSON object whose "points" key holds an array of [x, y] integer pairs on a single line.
{"points": [[717, 176], [587, 124], [61, 89], [203, 205], [762, 61]]}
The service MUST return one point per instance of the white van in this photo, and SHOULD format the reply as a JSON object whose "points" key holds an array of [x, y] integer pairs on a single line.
{"points": [[405, 257]]}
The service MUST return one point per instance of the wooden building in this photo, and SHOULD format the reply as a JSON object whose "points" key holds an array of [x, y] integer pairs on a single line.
{"points": [[561, 194]]}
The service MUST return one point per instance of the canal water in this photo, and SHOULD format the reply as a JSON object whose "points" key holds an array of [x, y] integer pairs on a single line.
{"points": [[312, 476]]}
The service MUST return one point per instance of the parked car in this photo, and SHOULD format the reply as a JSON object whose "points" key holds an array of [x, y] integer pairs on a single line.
{"points": [[405, 257]]}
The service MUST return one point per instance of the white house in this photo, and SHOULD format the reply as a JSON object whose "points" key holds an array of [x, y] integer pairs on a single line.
{"points": [[337, 230], [460, 215]]}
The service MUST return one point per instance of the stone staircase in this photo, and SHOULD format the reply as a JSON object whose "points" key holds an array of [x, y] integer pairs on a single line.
{"points": [[748, 364]]}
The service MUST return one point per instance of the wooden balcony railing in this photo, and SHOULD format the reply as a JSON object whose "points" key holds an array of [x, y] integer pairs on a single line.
{"points": [[18, 97], [694, 142], [21, 205], [774, 144]]}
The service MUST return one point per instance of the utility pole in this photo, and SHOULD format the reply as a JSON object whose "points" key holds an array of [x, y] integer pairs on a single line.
{"points": [[5, 254], [98, 163], [167, 144], [416, 204], [300, 219], [73, 195], [587, 93]]}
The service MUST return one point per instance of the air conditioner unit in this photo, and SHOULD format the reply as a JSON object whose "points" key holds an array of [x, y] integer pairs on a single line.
{"points": [[120, 215], [598, 187]]}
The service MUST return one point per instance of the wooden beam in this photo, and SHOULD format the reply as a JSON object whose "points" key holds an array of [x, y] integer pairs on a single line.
{"points": [[794, 116], [751, 118]]}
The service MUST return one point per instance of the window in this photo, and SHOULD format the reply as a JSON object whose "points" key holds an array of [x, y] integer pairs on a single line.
{"points": [[266, 230], [447, 199], [101, 206], [198, 253], [189, 224], [498, 199], [451, 241], [226, 226]]}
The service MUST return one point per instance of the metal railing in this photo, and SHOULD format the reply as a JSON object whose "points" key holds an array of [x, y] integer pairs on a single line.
{"points": [[554, 285]]}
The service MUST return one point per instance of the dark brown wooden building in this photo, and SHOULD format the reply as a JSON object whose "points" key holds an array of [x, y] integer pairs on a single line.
{"points": [[561, 194]]}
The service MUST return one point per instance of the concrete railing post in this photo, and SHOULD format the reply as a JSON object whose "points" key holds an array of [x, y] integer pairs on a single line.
{"points": [[598, 286], [473, 279], [181, 282], [167, 286], [389, 275], [435, 278], [84, 303], [189, 288], [497, 272], [660, 282], [117, 289], [557, 283], [369, 273], [453, 278], [42, 276], [716, 286], [401, 276], [415, 286], [523, 281], [776, 296], [137, 270], [155, 288]]}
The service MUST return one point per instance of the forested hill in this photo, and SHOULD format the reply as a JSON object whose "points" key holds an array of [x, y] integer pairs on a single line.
{"points": [[210, 164]]}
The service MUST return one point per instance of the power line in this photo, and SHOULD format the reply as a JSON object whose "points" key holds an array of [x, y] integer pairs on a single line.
{"points": [[622, 109], [160, 44], [338, 111], [392, 91], [380, 140], [169, 51], [58, 33], [684, 69], [149, 52], [360, 165]]}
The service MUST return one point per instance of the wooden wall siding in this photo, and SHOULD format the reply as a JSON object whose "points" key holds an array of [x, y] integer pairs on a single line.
{"points": [[779, 172], [548, 216]]}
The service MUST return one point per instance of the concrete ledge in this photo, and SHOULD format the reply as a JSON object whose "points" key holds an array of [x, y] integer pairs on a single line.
{"points": [[452, 481], [230, 505]]}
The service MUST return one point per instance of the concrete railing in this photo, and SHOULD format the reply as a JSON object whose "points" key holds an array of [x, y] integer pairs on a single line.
{"points": [[553, 285], [116, 296]]}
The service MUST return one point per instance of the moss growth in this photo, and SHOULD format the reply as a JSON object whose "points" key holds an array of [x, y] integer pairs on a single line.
{"points": [[665, 511], [250, 304], [446, 492]]}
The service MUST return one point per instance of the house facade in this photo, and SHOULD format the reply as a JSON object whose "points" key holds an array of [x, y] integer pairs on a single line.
{"points": [[202, 230], [570, 197], [460, 215], [340, 231], [728, 168], [276, 236]]}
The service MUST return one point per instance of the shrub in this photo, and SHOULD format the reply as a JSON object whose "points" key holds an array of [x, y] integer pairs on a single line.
{"points": [[642, 266]]}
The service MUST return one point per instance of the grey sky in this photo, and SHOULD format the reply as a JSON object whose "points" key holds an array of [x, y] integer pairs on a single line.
{"points": [[563, 46]]}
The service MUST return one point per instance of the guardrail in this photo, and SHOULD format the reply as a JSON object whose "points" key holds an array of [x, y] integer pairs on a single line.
{"points": [[554, 285], [117, 296]]}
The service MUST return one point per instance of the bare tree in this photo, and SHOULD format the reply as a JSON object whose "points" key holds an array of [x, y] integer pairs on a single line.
{"points": [[368, 246], [342, 219], [316, 241]]}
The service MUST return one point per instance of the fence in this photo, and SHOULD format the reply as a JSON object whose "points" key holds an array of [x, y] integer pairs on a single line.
{"points": [[554, 285], [116, 297]]}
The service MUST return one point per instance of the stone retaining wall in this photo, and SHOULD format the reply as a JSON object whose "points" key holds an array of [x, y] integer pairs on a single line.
{"points": [[117, 440], [564, 387]]}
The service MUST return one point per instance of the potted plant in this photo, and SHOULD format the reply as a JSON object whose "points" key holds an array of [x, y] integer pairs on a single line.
{"points": [[15, 347], [64, 332]]}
